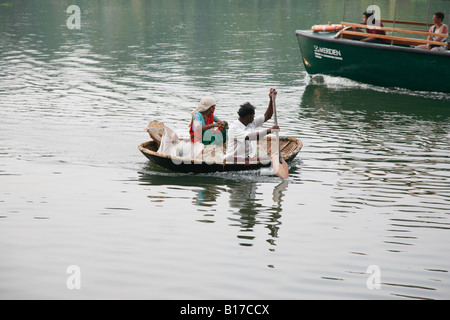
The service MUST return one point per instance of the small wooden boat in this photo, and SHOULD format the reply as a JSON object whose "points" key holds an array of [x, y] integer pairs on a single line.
{"points": [[289, 147]]}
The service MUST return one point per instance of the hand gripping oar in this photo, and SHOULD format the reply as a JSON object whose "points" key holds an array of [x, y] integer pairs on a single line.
{"points": [[280, 167]]}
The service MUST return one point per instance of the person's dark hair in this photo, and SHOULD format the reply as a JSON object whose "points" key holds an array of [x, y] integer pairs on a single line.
{"points": [[439, 15], [246, 109], [368, 13]]}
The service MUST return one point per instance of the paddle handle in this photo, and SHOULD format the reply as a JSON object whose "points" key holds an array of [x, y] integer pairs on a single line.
{"points": [[274, 110], [276, 123]]}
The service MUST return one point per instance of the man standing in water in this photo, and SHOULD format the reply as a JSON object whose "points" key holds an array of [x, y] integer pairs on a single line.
{"points": [[243, 135]]}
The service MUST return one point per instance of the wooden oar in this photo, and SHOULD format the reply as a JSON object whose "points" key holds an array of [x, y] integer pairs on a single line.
{"points": [[280, 167]]}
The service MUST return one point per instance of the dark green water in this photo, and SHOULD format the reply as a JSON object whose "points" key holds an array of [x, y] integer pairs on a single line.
{"points": [[371, 186]]}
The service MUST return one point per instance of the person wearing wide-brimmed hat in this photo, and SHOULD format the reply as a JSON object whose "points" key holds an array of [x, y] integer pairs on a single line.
{"points": [[205, 127]]}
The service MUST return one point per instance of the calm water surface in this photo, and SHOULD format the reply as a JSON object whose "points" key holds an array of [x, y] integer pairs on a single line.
{"points": [[371, 187]]}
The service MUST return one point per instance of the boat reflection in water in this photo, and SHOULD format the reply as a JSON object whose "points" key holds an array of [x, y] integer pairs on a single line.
{"points": [[236, 195]]}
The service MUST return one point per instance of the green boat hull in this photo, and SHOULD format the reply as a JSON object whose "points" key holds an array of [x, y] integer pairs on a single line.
{"points": [[377, 64]]}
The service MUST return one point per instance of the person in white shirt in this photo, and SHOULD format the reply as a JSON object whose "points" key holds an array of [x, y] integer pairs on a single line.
{"points": [[243, 134], [438, 27]]}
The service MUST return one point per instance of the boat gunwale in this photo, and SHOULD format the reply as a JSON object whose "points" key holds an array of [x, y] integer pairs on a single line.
{"points": [[378, 46]]}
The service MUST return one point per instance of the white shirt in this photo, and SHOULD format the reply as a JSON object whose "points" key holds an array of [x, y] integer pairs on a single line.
{"points": [[438, 31], [236, 143]]}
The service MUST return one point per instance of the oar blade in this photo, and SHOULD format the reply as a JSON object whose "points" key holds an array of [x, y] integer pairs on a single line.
{"points": [[281, 169]]}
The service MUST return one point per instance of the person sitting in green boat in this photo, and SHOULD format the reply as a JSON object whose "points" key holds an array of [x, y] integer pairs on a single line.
{"points": [[438, 27], [205, 127], [243, 134], [372, 23]]}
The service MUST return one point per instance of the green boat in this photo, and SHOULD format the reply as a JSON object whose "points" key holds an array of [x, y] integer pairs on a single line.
{"points": [[391, 61]]}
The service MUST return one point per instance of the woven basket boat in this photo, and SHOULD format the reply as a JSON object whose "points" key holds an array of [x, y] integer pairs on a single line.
{"points": [[289, 147]]}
